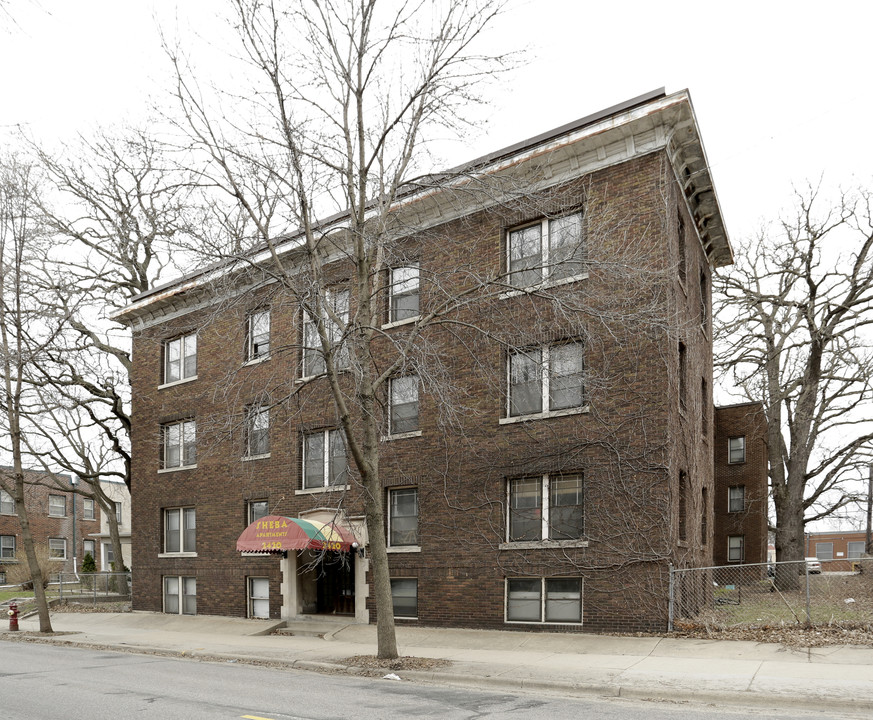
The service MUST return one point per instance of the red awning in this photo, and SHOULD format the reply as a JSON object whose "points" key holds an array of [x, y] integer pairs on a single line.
{"points": [[274, 534]]}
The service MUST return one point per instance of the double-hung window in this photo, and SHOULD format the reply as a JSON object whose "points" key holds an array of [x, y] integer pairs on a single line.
{"points": [[7, 504], [544, 600], [88, 548], [736, 548], [403, 408], [550, 507], [258, 335], [546, 380], [547, 251], [257, 509], [57, 506], [257, 431], [58, 548], [403, 517], [7, 547], [324, 460], [404, 293], [87, 509], [180, 595], [180, 530], [737, 450], [180, 358], [313, 355], [179, 444], [404, 596], [736, 498]]}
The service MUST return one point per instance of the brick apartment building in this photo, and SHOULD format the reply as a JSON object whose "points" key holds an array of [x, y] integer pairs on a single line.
{"points": [[741, 485], [543, 469], [61, 523]]}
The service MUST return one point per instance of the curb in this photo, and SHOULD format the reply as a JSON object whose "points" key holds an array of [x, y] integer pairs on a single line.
{"points": [[739, 698]]}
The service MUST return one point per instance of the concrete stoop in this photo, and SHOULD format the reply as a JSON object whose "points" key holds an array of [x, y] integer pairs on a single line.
{"points": [[314, 626]]}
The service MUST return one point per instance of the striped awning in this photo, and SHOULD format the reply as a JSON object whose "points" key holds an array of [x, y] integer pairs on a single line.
{"points": [[276, 534]]}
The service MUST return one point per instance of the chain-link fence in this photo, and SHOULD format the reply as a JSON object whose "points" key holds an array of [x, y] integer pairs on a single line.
{"points": [[810, 592], [93, 587]]}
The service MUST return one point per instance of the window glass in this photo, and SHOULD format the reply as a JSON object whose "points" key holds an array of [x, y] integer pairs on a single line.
{"points": [[737, 498], [824, 550], [7, 505], [566, 511], [319, 466], [57, 505], [258, 431], [404, 293], [737, 449], [855, 549], [525, 256], [735, 548], [404, 594], [87, 509], [257, 510], [313, 357], [179, 444], [171, 595], [403, 516], [7, 547], [565, 376], [258, 342], [525, 383], [259, 597], [525, 509], [57, 548], [339, 468], [88, 548], [180, 530], [189, 596], [524, 599], [566, 248], [563, 600], [404, 405], [180, 358], [117, 513]]}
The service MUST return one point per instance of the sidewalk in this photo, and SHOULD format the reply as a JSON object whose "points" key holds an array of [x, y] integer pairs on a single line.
{"points": [[836, 679]]}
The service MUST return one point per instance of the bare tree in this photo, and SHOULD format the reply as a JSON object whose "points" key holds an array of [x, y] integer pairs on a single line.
{"points": [[792, 320]]}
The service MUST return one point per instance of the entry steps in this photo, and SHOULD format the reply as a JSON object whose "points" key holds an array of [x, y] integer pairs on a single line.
{"points": [[315, 625]]}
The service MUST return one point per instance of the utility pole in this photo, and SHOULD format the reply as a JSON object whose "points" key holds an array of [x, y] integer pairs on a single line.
{"points": [[869, 545]]}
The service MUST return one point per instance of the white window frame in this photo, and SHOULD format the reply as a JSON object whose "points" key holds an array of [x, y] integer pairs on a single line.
{"points": [[546, 509], [7, 503], [93, 549], [544, 356], [546, 271], [736, 493], [408, 581], [545, 596], [736, 548], [8, 546], [257, 415], [328, 442], [119, 514], [257, 600], [393, 493], [860, 547], [314, 363], [397, 393], [824, 547], [187, 450], [187, 349], [183, 598], [184, 540], [737, 446], [88, 509], [405, 282], [53, 500], [57, 545], [258, 326]]}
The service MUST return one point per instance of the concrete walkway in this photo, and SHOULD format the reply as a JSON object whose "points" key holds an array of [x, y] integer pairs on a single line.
{"points": [[836, 679]]}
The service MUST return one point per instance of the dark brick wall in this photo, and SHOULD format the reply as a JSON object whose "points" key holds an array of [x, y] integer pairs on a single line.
{"points": [[631, 446]]}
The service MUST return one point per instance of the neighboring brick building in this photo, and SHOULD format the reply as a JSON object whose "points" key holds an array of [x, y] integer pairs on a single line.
{"points": [[741, 485], [51, 511], [836, 549], [547, 470]]}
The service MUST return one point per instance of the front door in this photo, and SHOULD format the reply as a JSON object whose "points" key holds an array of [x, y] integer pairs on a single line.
{"points": [[335, 584]]}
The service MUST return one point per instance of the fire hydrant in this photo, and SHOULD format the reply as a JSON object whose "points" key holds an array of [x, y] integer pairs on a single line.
{"points": [[13, 616]]}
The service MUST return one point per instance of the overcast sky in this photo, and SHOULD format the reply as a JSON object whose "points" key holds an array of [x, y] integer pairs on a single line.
{"points": [[781, 89]]}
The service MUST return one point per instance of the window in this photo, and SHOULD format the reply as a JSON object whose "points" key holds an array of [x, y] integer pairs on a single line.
{"points": [[57, 506], [403, 408], [180, 595], [57, 548], [180, 359], [855, 549], [88, 548], [257, 431], [7, 504], [87, 509], [257, 509], [824, 550], [403, 517], [538, 600], [313, 357], [683, 376], [404, 292], [259, 597], [180, 530], [704, 517], [179, 445], [683, 506], [404, 595], [546, 380], [736, 498], [7, 547], [561, 518], [549, 250], [2, 577], [258, 335], [109, 553], [117, 506], [324, 459], [737, 450], [736, 548]]}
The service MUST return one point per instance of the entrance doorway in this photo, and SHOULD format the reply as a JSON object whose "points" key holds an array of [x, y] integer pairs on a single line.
{"points": [[335, 584]]}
